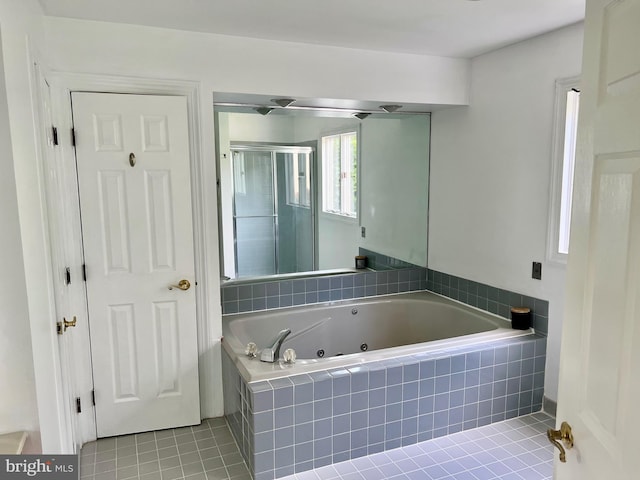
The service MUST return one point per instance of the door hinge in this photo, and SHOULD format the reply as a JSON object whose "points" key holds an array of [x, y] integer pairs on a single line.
{"points": [[54, 135], [84, 272], [67, 276], [78, 405], [93, 397], [73, 137]]}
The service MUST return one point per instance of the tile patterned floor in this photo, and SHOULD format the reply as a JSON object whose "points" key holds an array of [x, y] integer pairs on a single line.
{"points": [[516, 449], [204, 452]]}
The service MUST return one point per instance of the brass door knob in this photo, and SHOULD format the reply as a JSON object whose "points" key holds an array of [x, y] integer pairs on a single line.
{"points": [[182, 285], [563, 435], [68, 324]]}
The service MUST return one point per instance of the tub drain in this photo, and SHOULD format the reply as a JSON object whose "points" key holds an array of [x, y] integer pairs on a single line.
{"points": [[320, 353], [364, 347]]}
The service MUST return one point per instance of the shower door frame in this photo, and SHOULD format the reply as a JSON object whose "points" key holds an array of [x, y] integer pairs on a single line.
{"points": [[274, 150]]}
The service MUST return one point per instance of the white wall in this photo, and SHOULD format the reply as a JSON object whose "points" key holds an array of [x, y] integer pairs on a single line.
{"points": [[395, 187], [490, 175], [246, 65], [18, 407]]}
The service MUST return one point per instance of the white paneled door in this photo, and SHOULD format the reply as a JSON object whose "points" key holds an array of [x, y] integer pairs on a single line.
{"points": [[600, 359], [132, 156]]}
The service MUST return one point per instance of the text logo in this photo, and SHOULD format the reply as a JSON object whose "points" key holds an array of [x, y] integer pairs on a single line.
{"points": [[25, 467]]}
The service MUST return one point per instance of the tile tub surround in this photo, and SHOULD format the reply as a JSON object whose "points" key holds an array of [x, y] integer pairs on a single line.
{"points": [[491, 299], [378, 261], [251, 297], [293, 424], [261, 295]]}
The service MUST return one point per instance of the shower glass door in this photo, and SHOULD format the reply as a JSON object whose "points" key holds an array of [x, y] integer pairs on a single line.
{"points": [[295, 211], [255, 215], [273, 210]]}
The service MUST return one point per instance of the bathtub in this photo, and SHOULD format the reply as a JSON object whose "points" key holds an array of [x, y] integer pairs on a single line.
{"points": [[432, 367], [347, 333]]}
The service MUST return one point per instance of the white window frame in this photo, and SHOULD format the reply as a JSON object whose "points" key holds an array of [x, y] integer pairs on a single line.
{"points": [[559, 209], [338, 215]]}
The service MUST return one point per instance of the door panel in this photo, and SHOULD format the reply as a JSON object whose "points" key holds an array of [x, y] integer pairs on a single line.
{"points": [[601, 331], [138, 240], [160, 218], [114, 223], [167, 348]]}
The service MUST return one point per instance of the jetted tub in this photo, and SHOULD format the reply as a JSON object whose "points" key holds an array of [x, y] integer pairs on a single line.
{"points": [[347, 333]]}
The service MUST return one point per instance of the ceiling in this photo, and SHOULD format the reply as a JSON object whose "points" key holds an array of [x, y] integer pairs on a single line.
{"points": [[454, 28]]}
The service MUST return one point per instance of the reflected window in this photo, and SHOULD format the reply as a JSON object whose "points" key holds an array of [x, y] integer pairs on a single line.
{"points": [[340, 174]]}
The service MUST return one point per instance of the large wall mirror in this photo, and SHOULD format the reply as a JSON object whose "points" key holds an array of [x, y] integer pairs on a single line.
{"points": [[302, 190]]}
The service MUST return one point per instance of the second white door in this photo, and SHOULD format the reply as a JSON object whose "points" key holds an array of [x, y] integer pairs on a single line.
{"points": [[132, 156], [599, 381]]}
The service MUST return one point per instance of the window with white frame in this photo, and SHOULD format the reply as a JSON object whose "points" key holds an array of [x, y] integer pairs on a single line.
{"points": [[340, 174], [564, 153]]}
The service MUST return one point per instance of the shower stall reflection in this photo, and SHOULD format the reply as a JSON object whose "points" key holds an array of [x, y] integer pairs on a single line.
{"points": [[273, 209]]}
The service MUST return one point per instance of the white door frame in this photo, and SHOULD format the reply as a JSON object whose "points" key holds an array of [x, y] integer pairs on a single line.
{"points": [[204, 219], [53, 410]]}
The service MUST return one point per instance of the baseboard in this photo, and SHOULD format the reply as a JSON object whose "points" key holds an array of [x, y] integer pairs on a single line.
{"points": [[549, 406]]}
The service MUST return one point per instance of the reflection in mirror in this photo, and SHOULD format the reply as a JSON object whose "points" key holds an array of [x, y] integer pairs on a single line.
{"points": [[272, 210], [301, 191]]}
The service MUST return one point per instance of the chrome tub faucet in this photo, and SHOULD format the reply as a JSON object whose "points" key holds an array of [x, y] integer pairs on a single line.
{"points": [[271, 353]]}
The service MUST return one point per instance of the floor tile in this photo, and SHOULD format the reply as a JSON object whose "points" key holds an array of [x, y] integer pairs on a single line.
{"points": [[149, 467], [127, 461], [160, 434], [151, 476], [105, 476], [170, 462], [217, 474], [107, 466], [515, 449]]}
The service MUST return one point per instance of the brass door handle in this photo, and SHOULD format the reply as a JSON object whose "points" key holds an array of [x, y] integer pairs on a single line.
{"points": [[182, 285], [564, 435], [68, 324]]}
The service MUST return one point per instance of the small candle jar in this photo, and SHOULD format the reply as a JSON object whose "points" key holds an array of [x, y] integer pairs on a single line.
{"points": [[520, 318], [361, 261]]}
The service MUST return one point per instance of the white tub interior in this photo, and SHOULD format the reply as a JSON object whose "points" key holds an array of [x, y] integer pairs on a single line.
{"points": [[390, 326]]}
